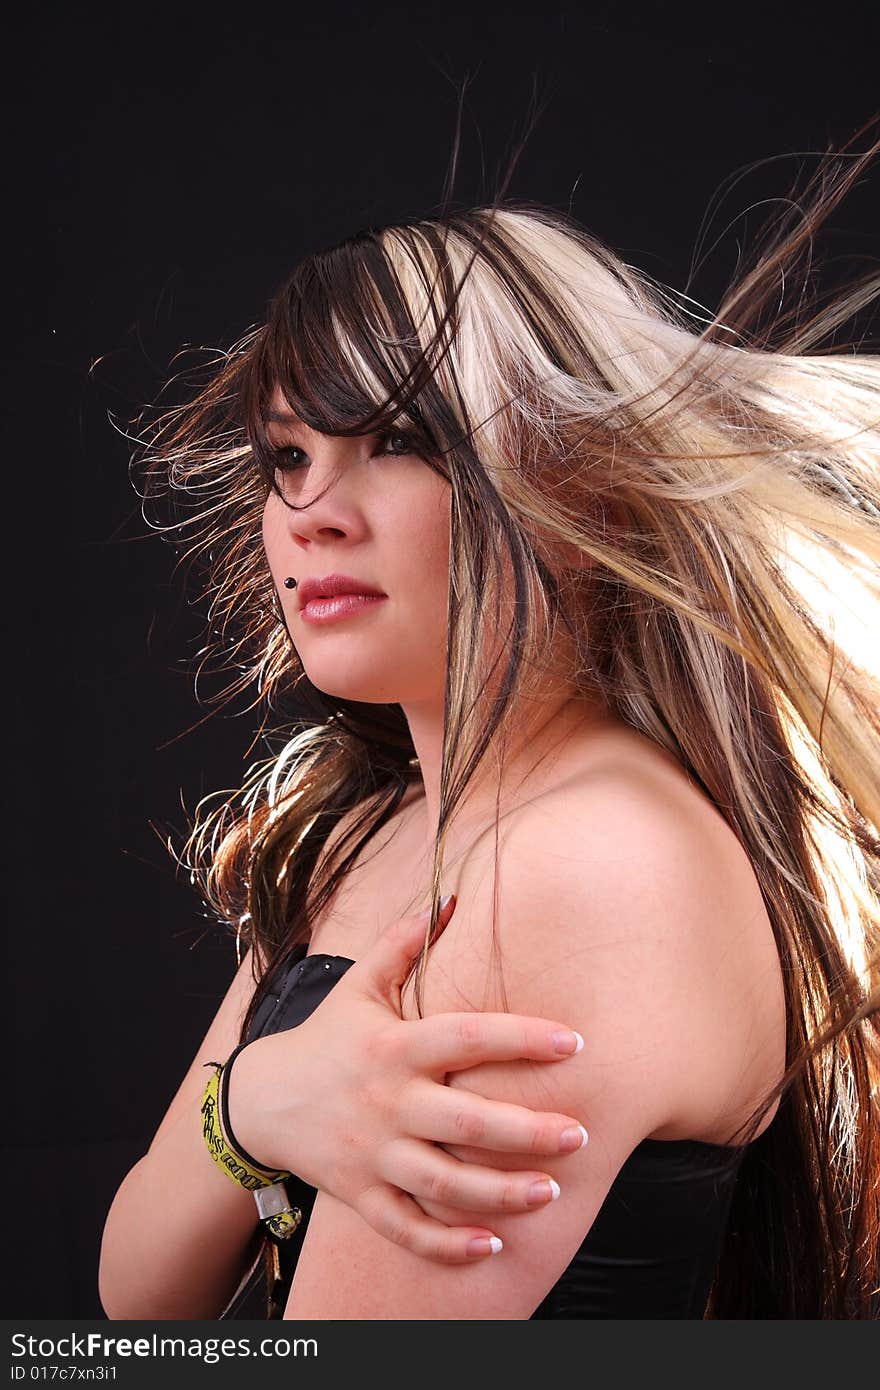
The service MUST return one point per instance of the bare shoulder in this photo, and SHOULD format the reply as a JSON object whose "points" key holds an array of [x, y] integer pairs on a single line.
{"points": [[696, 878], [619, 909], [626, 908]]}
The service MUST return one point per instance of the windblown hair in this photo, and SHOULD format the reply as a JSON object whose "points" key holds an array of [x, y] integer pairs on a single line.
{"points": [[719, 471]]}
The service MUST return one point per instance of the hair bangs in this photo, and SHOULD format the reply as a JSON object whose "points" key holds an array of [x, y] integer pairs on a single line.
{"points": [[342, 349]]}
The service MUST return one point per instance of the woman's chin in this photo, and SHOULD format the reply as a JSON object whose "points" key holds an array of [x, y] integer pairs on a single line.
{"points": [[366, 691]]}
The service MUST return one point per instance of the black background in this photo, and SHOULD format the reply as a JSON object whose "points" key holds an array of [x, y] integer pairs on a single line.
{"points": [[187, 160]]}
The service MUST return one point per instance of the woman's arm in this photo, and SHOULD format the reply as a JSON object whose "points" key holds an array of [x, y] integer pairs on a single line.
{"points": [[356, 1101], [618, 917], [178, 1233]]}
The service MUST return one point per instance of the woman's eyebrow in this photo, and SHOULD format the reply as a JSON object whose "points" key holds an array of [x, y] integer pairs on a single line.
{"points": [[274, 417]]}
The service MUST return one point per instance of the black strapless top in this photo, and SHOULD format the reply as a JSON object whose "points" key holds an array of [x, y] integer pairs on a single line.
{"points": [[651, 1251]]}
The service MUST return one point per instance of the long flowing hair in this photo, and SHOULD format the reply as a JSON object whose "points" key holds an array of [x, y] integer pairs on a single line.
{"points": [[720, 473]]}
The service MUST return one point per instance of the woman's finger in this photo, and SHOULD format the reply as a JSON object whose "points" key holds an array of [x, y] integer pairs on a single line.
{"points": [[453, 1041], [451, 1115], [400, 1219], [429, 1173], [382, 969]]}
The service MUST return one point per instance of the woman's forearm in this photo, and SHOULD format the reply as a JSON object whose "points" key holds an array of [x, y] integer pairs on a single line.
{"points": [[179, 1233]]}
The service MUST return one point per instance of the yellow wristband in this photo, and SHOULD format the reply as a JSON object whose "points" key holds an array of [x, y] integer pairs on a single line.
{"points": [[267, 1184]]}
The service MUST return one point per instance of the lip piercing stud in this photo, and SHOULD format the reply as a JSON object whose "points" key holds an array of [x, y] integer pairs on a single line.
{"points": [[290, 583]]}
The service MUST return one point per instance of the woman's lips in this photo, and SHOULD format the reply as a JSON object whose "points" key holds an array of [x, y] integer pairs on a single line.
{"points": [[329, 610]]}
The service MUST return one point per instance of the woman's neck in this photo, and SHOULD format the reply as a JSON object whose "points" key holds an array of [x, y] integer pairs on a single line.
{"points": [[540, 758]]}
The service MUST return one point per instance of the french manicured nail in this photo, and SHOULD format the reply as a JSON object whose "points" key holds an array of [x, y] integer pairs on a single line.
{"points": [[546, 1189], [572, 1139], [482, 1245], [567, 1042]]}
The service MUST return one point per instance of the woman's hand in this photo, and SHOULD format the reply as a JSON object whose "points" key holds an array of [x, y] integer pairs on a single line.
{"points": [[353, 1101]]}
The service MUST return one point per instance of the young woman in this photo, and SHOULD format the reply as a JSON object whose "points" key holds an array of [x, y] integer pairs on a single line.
{"points": [[526, 562]]}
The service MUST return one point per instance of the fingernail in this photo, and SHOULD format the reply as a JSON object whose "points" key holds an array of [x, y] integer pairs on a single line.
{"points": [[482, 1245], [541, 1191], [444, 902], [572, 1139], [568, 1042]]}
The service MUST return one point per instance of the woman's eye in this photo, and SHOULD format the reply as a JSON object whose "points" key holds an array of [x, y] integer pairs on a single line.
{"points": [[285, 457], [283, 460], [409, 442]]}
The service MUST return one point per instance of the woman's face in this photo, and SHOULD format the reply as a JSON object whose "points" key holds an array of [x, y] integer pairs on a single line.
{"points": [[375, 511]]}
